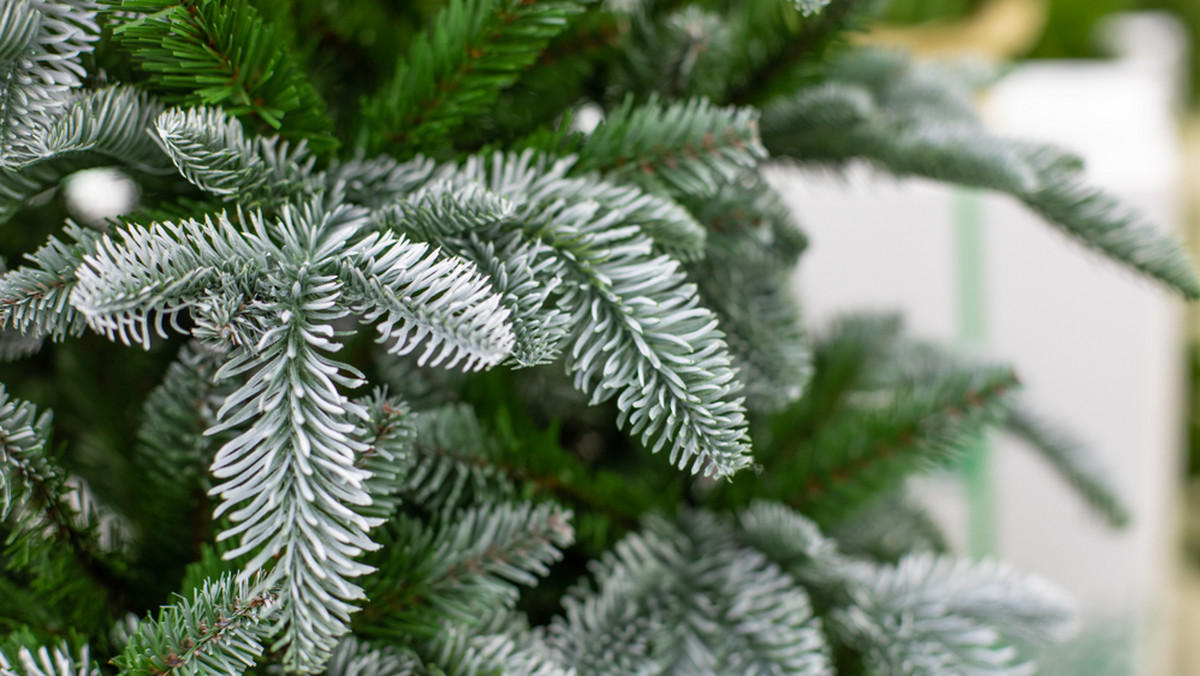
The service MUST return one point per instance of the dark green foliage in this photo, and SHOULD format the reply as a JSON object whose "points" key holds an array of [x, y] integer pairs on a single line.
{"points": [[925, 424], [460, 566], [55, 559], [454, 71], [223, 53]]}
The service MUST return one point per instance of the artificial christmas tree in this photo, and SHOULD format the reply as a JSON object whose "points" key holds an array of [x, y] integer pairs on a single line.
{"points": [[313, 383]]}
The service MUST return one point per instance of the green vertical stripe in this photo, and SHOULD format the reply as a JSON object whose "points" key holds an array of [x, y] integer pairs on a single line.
{"points": [[972, 333]]}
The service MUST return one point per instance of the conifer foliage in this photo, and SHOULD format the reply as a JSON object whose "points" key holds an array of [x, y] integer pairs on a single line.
{"points": [[397, 369]]}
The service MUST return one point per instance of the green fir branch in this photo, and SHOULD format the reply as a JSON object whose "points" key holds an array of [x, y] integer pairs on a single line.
{"points": [[222, 53], [459, 567], [456, 69], [222, 628], [854, 457], [1072, 461]]}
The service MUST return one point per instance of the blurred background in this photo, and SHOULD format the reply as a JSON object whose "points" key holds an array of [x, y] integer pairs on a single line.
{"points": [[1111, 357]]}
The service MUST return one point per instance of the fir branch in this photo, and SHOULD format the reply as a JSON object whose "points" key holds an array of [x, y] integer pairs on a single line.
{"points": [[914, 361], [841, 361], [104, 126], [686, 598], [220, 629], [43, 661], [882, 108], [288, 479], [747, 220], [456, 69], [690, 148], [500, 643], [1101, 222], [353, 657], [467, 563], [1071, 460], [173, 455], [23, 438], [794, 543], [34, 298], [40, 45], [380, 181], [427, 298], [210, 149], [15, 345], [455, 463], [903, 142], [157, 272], [49, 518], [685, 53], [936, 614], [473, 223], [854, 457], [638, 333], [761, 322], [203, 52], [111, 122], [389, 434], [927, 614], [786, 52], [889, 528]]}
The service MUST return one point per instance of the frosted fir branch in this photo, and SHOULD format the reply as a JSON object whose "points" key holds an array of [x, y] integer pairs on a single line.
{"points": [[27, 472], [210, 149], [888, 528], [474, 224], [939, 614], [882, 108], [49, 661], [638, 332], [156, 272], [34, 299], [40, 47], [113, 122], [381, 181], [499, 643], [685, 597], [288, 479], [353, 657], [427, 298]]}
